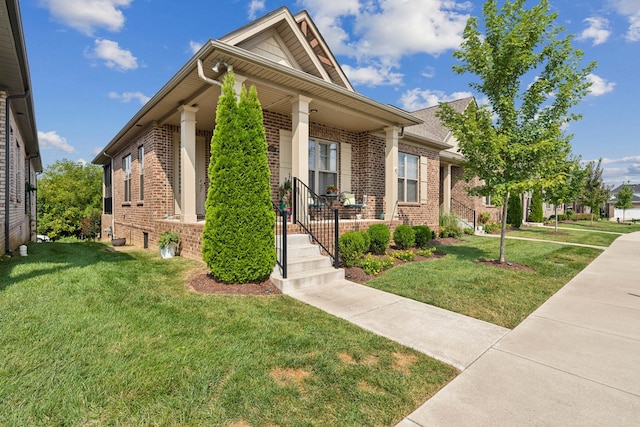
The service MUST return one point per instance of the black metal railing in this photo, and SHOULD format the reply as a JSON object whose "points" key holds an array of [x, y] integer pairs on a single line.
{"points": [[281, 239], [317, 217], [463, 212]]}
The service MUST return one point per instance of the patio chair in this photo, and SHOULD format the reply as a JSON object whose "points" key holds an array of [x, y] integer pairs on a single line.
{"points": [[349, 202]]}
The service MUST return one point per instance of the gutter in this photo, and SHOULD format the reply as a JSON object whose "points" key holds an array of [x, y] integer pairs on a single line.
{"points": [[7, 246]]}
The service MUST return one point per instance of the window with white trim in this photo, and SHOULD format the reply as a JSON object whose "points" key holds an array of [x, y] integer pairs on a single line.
{"points": [[323, 165], [407, 178], [486, 200], [126, 166], [141, 172]]}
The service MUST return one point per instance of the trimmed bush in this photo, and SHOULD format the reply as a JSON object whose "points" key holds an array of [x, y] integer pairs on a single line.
{"points": [[423, 235], [380, 237], [514, 211], [404, 237], [492, 227], [536, 214], [352, 247], [367, 240], [238, 236]]}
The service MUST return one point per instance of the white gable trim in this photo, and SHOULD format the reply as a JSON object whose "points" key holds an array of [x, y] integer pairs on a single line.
{"points": [[271, 33], [269, 21]]}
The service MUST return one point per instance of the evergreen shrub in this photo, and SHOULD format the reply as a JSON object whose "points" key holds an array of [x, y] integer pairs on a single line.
{"points": [[423, 235], [514, 211], [380, 238], [352, 247], [404, 237]]}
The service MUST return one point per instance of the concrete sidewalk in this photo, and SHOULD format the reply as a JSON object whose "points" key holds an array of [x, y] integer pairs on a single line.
{"points": [[574, 361], [450, 337]]}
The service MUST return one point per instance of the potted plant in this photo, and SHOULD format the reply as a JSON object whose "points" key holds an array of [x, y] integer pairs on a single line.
{"points": [[332, 189], [168, 242], [285, 191]]}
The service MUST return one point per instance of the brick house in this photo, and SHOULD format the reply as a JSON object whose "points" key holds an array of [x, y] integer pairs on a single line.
{"points": [[318, 129], [19, 150]]}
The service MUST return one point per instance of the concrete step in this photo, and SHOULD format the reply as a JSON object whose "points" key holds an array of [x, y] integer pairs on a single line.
{"points": [[316, 262], [298, 239], [302, 251], [305, 279]]}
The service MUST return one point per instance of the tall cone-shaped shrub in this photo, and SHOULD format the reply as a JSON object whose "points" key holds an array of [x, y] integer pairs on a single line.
{"points": [[238, 237], [536, 214]]}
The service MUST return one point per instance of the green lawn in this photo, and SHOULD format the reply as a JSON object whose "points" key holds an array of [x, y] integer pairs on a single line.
{"points": [[604, 225], [91, 337], [504, 297], [583, 237]]}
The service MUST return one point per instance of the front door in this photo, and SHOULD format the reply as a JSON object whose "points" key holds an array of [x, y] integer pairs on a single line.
{"points": [[202, 181]]}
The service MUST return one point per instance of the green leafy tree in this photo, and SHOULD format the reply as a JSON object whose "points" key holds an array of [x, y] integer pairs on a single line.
{"points": [[531, 78], [624, 199], [69, 200], [238, 236], [535, 212], [595, 192], [514, 211], [568, 189]]}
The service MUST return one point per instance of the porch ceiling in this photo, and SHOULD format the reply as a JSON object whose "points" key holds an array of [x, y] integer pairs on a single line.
{"points": [[277, 86]]}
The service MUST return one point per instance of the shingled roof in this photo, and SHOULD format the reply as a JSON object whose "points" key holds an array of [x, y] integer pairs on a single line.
{"points": [[432, 128]]}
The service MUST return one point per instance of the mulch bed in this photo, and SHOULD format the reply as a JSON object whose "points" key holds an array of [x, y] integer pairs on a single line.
{"points": [[205, 283]]}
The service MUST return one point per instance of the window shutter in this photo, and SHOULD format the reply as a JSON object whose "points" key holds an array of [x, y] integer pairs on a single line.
{"points": [[423, 179], [345, 167], [286, 166]]}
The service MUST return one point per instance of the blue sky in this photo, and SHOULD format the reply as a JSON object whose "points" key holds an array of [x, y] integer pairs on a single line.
{"points": [[94, 63]]}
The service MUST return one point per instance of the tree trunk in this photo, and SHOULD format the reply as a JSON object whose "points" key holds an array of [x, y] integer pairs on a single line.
{"points": [[555, 211], [503, 232]]}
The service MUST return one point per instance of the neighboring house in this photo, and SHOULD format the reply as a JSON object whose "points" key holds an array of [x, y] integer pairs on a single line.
{"points": [[630, 214], [318, 129], [19, 151]]}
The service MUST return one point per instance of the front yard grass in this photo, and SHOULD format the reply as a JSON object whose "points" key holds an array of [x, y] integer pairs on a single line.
{"points": [[92, 337], [604, 225], [504, 297], [572, 236]]}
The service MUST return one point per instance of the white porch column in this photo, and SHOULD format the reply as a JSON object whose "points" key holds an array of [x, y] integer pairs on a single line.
{"points": [[300, 138], [391, 171], [237, 86], [446, 189], [188, 163]]}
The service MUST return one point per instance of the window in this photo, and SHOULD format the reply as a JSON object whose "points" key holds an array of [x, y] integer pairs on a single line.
{"points": [[323, 165], [486, 200], [141, 171], [107, 190], [407, 178], [126, 166]]}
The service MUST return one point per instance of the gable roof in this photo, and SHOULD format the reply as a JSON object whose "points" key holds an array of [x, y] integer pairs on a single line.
{"points": [[291, 41], [636, 193], [432, 127], [15, 77]]}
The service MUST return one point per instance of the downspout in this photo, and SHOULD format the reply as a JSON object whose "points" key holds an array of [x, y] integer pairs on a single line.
{"points": [[205, 78], [7, 247], [30, 194], [113, 205]]}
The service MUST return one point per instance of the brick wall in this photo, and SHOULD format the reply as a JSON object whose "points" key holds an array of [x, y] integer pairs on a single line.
{"points": [[21, 224]]}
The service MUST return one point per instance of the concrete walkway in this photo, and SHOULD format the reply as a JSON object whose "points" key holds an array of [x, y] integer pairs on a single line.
{"points": [[545, 241], [575, 361], [450, 337]]}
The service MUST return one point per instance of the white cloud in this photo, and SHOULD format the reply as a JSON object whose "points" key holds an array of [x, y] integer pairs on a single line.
{"points": [[620, 170], [194, 46], [631, 10], [126, 97], [599, 86], [255, 7], [390, 28], [114, 56], [372, 75], [597, 30], [52, 141], [88, 15], [417, 99]]}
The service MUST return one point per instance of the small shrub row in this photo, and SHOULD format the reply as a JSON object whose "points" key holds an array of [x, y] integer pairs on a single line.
{"points": [[353, 245], [373, 265], [406, 256], [426, 252]]}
